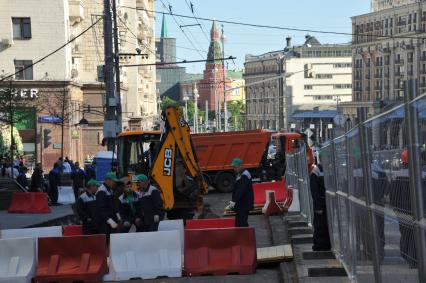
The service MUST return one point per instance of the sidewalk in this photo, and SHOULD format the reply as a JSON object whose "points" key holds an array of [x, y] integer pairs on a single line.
{"points": [[17, 220]]}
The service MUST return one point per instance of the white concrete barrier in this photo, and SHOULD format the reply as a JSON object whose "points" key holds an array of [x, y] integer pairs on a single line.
{"points": [[54, 231], [66, 195], [171, 225], [295, 205], [145, 255], [17, 260]]}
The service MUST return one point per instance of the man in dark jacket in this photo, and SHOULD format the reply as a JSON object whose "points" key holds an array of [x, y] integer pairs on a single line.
{"points": [[107, 216], [37, 179], [242, 195], [86, 207], [321, 236], [54, 182], [151, 205], [78, 176], [22, 178], [91, 171], [128, 208]]}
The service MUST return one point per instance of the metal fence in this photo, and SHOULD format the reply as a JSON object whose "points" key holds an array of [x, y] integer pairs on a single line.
{"points": [[297, 176], [375, 192]]}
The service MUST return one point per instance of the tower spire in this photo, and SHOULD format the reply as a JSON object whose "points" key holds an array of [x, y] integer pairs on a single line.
{"points": [[164, 32], [215, 51]]}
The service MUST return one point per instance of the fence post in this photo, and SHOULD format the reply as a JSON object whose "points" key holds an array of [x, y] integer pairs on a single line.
{"points": [[366, 166], [415, 172]]}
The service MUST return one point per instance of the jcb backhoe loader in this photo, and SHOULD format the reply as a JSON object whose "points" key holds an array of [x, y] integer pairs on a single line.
{"points": [[170, 160]]}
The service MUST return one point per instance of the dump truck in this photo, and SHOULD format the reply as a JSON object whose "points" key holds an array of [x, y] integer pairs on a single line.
{"points": [[172, 165], [263, 154]]}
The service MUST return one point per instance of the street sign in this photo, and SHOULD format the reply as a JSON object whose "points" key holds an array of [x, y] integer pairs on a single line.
{"points": [[75, 134], [339, 120], [57, 146], [50, 119]]}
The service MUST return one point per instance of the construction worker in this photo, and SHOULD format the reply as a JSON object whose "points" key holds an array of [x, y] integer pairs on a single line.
{"points": [[86, 207], [321, 237], [242, 194], [128, 208], [54, 182], [107, 216], [78, 176], [151, 205], [400, 200], [91, 171]]}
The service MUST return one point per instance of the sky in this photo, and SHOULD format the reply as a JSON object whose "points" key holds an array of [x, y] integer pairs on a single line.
{"points": [[328, 15]]}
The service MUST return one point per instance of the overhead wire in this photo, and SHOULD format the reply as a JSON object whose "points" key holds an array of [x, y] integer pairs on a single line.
{"points": [[191, 7], [172, 14], [51, 53], [279, 27]]}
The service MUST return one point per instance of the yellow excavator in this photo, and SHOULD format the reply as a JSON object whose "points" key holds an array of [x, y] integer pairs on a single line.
{"points": [[169, 159]]}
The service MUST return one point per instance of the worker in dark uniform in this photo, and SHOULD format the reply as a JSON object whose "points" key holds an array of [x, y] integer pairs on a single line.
{"points": [[151, 205], [86, 207], [107, 216], [321, 237], [128, 208], [54, 182], [91, 171], [22, 177], [78, 176], [37, 179], [242, 194]]}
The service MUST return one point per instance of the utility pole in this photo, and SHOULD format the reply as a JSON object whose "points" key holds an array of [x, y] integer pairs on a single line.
{"points": [[117, 69], [110, 124], [195, 108], [225, 114], [207, 115], [280, 62]]}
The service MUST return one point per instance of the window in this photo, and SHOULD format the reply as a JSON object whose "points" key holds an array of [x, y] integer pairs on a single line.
{"points": [[342, 86], [324, 76], [342, 65], [21, 28], [308, 86], [26, 74]]}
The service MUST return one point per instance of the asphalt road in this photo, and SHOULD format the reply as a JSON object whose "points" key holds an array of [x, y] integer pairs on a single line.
{"points": [[215, 203]]}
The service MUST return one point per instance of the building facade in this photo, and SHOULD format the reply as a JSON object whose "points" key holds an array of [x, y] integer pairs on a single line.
{"points": [[33, 29], [315, 77], [169, 75], [388, 48]]}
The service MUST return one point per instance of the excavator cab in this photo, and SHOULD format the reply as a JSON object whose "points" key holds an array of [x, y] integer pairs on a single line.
{"points": [[168, 158]]}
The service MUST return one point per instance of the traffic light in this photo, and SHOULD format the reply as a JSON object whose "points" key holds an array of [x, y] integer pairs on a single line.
{"points": [[46, 138]]}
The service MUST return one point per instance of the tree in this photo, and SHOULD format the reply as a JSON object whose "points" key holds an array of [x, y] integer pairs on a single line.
{"points": [[236, 108], [16, 105]]}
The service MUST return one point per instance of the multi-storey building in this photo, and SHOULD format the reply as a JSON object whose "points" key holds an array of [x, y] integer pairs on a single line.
{"points": [[33, 29], [388, 48], [316, 77]]}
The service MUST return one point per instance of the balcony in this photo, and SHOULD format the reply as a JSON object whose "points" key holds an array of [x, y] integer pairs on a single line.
{"points": [[76, 11], [399, 61]]}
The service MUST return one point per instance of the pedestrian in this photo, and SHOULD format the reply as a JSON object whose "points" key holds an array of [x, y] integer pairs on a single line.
{"points": [[400, 201], [54, 183], [149, 155], [107, 216], [66, 166], [78, 177], [321, 237], [91, 171], [242, 194], [128, 208], [37, 179], [86, 208], [22, 178], [151, 205]]}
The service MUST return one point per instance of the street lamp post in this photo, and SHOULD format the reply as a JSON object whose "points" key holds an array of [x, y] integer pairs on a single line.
{"points": [[225, 114], [195, 108], [186, 98]]}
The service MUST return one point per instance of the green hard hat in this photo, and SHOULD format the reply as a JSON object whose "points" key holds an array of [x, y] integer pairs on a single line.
{"points": [[236, 162], [92, 183], [112, 176], [141, 178]]}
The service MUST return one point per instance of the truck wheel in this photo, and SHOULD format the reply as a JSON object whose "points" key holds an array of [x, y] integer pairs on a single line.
{"points": [[224, 182]]}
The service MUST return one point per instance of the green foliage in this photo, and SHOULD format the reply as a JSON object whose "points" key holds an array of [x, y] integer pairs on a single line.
{"points": [[5, 141], [237, 109]]}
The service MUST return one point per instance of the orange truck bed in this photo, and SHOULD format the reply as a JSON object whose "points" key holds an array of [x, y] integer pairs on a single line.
{"points": [[215, 151]]}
